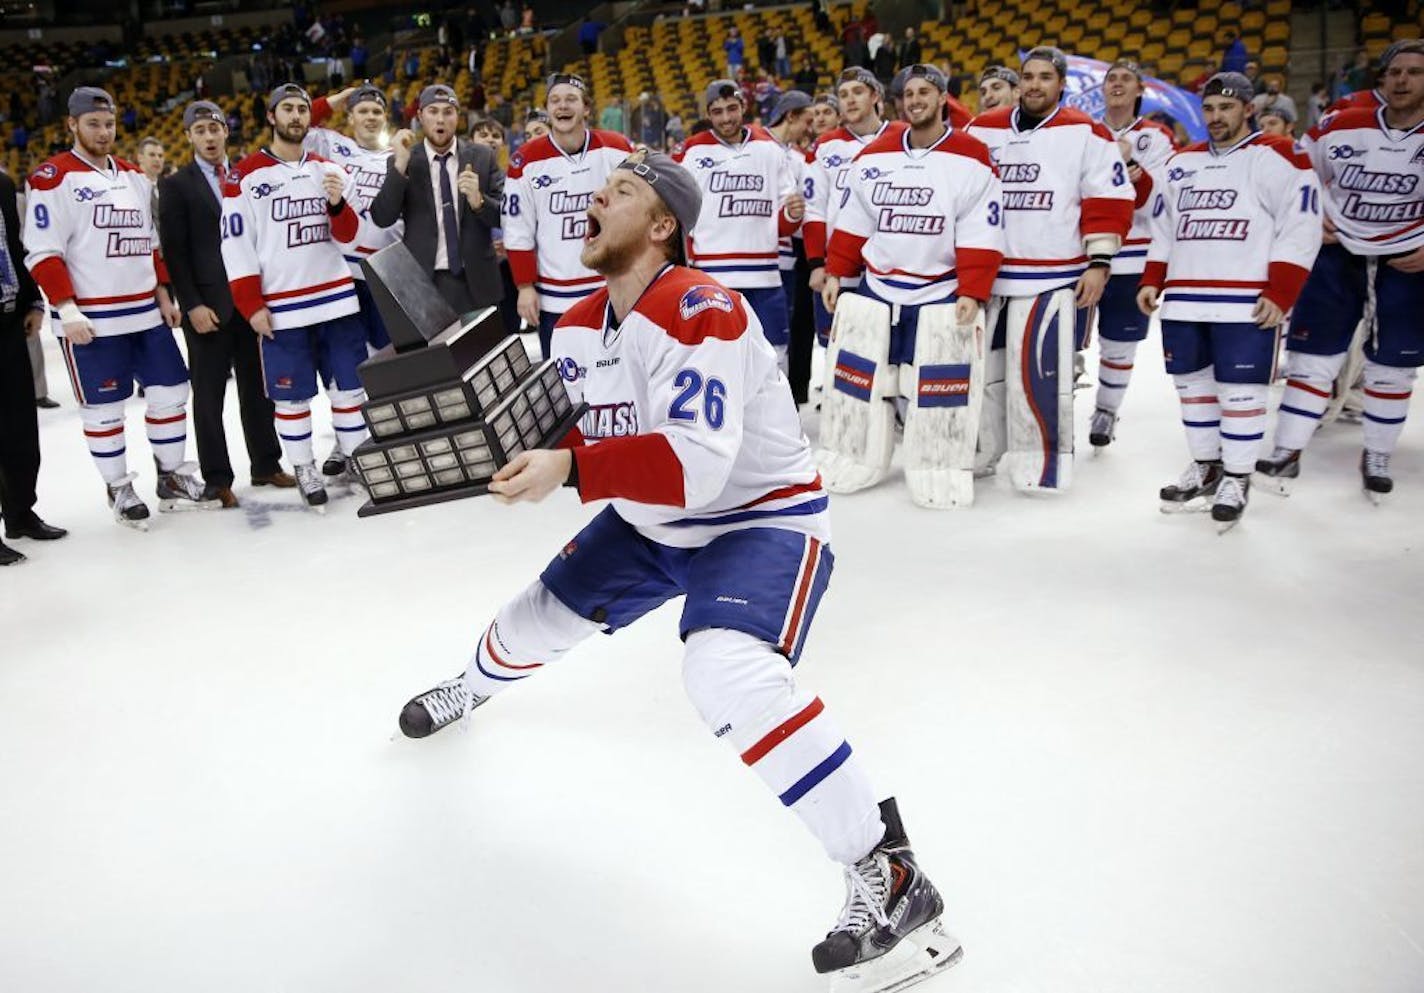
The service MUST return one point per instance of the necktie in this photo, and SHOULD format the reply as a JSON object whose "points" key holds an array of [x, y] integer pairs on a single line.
{"points": [[447, 217], [220, 171]]}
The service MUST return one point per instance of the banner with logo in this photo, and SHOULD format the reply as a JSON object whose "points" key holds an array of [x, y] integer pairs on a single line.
{"points": [[1084, 90]]}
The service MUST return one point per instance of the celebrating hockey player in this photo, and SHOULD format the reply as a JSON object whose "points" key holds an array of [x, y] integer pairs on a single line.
{"points": [[1067, 208], [998, 87], [789, 123], [1371, 164], [92, 248], [750, 200], [285, 213], [924, 221], [1235, 228], [825, 117], [860, 96], [546, 195], [1145, 145], [715, 499]]}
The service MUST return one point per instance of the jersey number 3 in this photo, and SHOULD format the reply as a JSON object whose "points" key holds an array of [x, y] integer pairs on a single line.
{"points": [[690, 385]]}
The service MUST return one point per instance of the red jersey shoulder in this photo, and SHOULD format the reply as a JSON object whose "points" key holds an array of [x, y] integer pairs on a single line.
{"points": [[999, 117], [965, 144], [755, 132], [53, 170], [1196, 146], [700, 139], [1349, 119], [1359, 100], [1285, 148], [691, 307], [889, 140], [956, 113], [609, 139], [538, 150], [124, 165], [588, 312]]}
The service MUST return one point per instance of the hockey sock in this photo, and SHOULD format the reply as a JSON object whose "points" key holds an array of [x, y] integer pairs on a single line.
{"points": [[1309, 381], [1387, 393], [346, 418], [1201, 416], [529, 632], [294, 427], [1114, 371], [1243, 425], [745, 693], [104, 433], [166, 422]]}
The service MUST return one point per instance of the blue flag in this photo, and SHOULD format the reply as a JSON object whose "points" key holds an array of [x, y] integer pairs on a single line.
{"points": [[1084, 91]]}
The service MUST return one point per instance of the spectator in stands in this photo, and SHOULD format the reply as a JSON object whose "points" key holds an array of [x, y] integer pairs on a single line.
{"points": [[611, 117], [910, 51], [1278, 119], [782, 48], [675, 132], [766, 53], [856, 54], [736, 52], [1361, 75], [807, 77], [1253, 73], [1273, 99], [1315, 109], [527, 24], [882, 63], [1194, 81], [765, 95], [130, 119], [649, 121], [20, 138], [508, 16], [150, 158], [500, 110], [234, 127], [1234, 58], [412, 65], [821, 18], [360, 55], [478, 99], [588, 33]]}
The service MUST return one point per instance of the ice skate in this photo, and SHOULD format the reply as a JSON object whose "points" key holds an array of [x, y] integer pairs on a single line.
{"points": [[179, 489], [1230, 503], [1193, 492], [335, 462], [438, 708], [1279, 470], [310, 485], [128, 508], [889, 936], [1102, 429], [1374, 473]]}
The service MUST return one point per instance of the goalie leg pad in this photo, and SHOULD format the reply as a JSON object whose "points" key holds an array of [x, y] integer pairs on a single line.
{"points": [[993, 426], [1040, 335], [945, 387], [857, 420]]}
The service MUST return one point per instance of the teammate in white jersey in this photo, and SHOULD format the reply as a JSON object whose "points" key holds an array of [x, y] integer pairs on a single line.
{"points": [[789, 124], [91, 246], [998, 87], [1067, 208], [1235, 229], [751, 199], [1371, 164], [286, 216], [715, 498], [547, 190], [365, 156], [825, 118], [1145, 145]]}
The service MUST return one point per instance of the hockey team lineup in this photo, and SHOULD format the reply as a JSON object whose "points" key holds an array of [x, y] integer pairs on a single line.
{"points": [[964, 271]]}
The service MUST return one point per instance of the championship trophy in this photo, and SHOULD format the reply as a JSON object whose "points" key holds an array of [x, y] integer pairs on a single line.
{"points": [[448, 401]]}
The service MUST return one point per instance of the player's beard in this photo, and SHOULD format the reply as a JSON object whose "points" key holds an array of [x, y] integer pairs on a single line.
{"points": [[608, 255], [295, 132], [93, 152]]}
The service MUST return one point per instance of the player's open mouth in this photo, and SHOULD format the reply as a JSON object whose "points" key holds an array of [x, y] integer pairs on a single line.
{"points": [[592, 231]]}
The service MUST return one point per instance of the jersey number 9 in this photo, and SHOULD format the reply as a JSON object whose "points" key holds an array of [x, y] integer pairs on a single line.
{"points": [[714, 399], [41, 216]]}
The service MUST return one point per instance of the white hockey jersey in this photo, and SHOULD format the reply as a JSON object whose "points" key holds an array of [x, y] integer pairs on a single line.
{"points": [[281, 245], [544, 214], [1152, 144], [1064, 181], [743, 189], [1230, 227], [796, 161], [827, 180], [367, 166], [691, 429], [89, 237], [1373, 180], [923, 222]]}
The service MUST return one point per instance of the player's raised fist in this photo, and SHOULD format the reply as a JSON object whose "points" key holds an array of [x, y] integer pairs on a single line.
{"points": [[334, 183], [469, 186]]}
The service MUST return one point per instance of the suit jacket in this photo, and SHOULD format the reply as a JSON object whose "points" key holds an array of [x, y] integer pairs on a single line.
{"points": [[411, 197], [190, 231], [28, 294]]}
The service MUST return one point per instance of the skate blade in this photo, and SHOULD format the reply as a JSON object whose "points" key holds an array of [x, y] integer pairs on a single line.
{"points": [[1276, 485], [920, 955], [1224, 526], [317, 508], [175, 505], [135, 525], [1375, 498], [1198, 506]]}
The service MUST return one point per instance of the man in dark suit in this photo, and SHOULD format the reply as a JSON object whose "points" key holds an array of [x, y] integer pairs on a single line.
{"points": [[20, 317], [448, 192], [219, 340]]}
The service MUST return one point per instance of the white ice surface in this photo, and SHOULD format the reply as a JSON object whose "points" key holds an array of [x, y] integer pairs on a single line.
{"points": [[1136, 757]]}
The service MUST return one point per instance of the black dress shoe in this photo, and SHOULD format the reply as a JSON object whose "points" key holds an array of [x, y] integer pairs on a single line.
{"points": [[34, 528], [8, 556], [45, 403]]}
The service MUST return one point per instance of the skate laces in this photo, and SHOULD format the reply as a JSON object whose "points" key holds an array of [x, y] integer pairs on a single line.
{"points": [[182, 480], [308, 479], [448, 702], [1193, 477], [1376, 463], [867, 886], [1231, 492], [121, 492]]}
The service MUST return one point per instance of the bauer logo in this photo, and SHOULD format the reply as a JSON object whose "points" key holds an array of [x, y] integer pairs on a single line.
{"points": [[701, 298], [854, 375], [943, 386]]}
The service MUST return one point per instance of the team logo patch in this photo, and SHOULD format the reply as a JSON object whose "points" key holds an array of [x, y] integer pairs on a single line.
{"points": [[108, 386], [705, 163], [854, 375], [943, 386], [539, 182], [570, 370], [516, 160], [701, 298], [284, 383], [568, 549]]}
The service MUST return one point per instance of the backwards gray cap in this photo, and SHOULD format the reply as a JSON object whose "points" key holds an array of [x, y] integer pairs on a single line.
{"points": [[87, 99], [202, 110], [859, 74], [1410, 46], [438, 93], [672, 183], [1278, 110], [999, 72], [287, 91], [720, 89], [365, 92], [791, 101], [932, 74], [1051, 55], [1229, 84], [828, 100]]}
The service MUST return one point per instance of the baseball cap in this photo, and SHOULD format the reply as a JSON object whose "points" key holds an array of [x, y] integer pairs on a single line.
{"points": [[364, 92], [1051, 55], [1129, 65], [933, 74], [565, 79], [287, 91], [858, 74], [672, 183], [790, 102], [828, 100], [438, 93], [1229, 84], [87, 99], [720, 89], [1278, 110], [202, 110], [1000, 72]]}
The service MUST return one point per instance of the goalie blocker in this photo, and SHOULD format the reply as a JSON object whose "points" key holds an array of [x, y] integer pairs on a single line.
{"points": [[867, 373]]}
